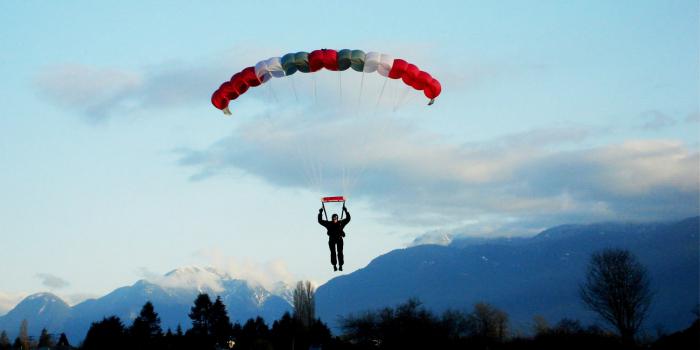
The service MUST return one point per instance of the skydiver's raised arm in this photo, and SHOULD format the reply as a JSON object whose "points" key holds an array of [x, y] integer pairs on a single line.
{"points": [[347, 216], [320, 218]]}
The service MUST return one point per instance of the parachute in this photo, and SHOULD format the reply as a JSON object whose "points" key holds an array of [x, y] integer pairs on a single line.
{"points": [[304, 62], [349, 144]]}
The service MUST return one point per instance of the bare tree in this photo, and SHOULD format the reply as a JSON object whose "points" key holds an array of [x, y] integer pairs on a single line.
{"points": [[24, 334], [617, 289], [304, 303], [487, 321]]}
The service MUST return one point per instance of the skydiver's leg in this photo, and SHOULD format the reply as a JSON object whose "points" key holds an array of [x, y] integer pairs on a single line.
{"points": [[341, 259], [331, 246]]}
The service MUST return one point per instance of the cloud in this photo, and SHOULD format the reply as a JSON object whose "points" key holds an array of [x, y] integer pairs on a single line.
{"points": [[101, 93], [656, 120], [540, 174], [433, 237], [191, 277], [266, 273], [693, 118], [52, 281], [95, 92], [220, 267]]}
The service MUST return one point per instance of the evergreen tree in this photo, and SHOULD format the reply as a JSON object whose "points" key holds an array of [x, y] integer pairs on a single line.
{"points": [[255, 334], [146, 331], [63, 342], [108, 334], [5, 341], [147, 324], [200, 315], [45, 340], [219, 321], [17, 345]]}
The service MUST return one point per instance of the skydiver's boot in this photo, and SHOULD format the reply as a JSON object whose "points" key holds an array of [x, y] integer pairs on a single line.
{"points": [[335, 268], [341, 267]]}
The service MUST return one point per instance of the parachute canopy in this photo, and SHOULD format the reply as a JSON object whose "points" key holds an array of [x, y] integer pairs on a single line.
{"points": [[333, 60]]}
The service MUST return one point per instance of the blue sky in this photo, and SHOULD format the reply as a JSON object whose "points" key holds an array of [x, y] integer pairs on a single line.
{"points": [[116, 166]]}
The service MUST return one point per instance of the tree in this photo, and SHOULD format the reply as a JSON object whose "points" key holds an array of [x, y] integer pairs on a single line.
{"points": [[45, 340], [147, 324], [63, 342], [107, 334], [17, 345], [146, 330], [5, 341], [219, 321], [540, 325], [24, 334], [304, 303], [488, 322], [199, 314], [617, 289]]}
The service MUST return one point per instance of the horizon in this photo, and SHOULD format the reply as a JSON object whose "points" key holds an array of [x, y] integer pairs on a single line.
{"points": [[117, 166], [206, 284]]}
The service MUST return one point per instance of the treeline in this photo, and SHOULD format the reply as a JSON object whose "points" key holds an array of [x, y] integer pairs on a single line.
{"points": [[616, 287], [211, 329]]}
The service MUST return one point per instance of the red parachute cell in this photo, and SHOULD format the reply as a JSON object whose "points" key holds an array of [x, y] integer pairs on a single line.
{"points": [[248, 75], [410, 74], [330, 59], [421, 80], [218, 100], [315, 60], [398, 68], [433, 89]]}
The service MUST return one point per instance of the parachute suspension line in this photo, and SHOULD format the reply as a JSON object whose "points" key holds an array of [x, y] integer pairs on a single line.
{"points": [[382, 128], [272, 92], [294, 88], [381, 94], [340, 88], [313, 77], [359, 96], [402, 98]]}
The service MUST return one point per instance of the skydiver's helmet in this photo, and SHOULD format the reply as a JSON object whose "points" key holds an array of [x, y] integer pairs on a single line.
{"points": [[334, 217]]}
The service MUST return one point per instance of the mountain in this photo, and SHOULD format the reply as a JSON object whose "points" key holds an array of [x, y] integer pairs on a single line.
{"points": [[172, 296], [40, 310], [525, 277]]}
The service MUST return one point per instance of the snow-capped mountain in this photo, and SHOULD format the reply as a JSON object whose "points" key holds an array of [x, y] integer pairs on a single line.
{"points": [[525, 277], [40, 310], [172, 295]]}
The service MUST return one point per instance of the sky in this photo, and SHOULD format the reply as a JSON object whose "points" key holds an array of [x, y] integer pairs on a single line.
{"points": [[116, 167]]}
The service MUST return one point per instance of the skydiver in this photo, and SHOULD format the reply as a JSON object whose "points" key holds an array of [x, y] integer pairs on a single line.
{"points": [[335, 235]]}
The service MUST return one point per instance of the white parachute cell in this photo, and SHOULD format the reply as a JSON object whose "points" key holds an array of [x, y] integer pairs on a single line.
{"points": [[274, 66], [371, 62], [262, 72], [385, 63]]}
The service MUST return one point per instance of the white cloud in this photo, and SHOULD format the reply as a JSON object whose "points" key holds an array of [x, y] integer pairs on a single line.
{"points": [[191, 277], [657, 120], [427, 180], [266, 273], [93, 91], [52, 281]]}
